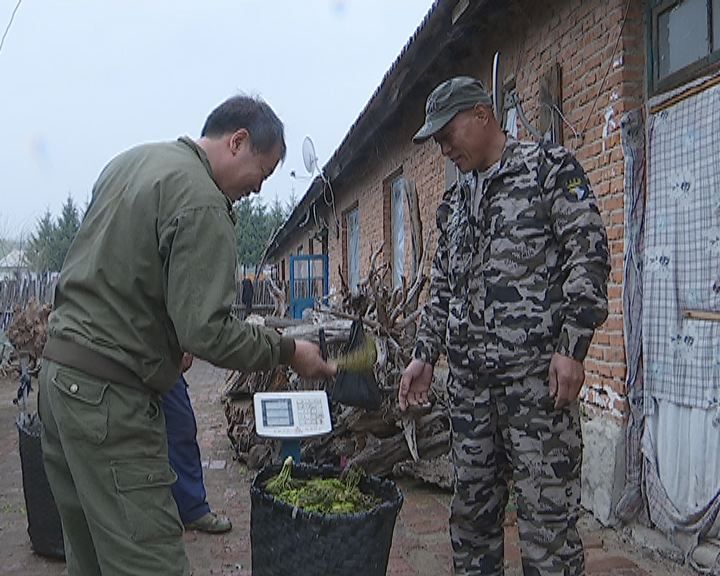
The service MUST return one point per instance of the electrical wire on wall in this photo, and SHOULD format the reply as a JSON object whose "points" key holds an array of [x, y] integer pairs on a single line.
{"points": [[331, 203], [554, 108], [607, 70], [578, 135], [320, 223], [311, 164]]}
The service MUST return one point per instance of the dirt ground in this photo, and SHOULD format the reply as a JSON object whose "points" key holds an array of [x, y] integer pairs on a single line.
{"points": [[421, 545]]}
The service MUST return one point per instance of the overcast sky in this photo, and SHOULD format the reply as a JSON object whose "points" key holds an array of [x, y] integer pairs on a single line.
{"points": [[82, 80]]}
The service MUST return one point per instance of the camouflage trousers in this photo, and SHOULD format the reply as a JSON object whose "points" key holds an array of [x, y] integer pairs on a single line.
{"points": [[506, 428]]}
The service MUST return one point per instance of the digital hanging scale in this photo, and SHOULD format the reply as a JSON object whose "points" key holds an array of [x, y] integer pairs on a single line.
{"points": [[292, 415]]}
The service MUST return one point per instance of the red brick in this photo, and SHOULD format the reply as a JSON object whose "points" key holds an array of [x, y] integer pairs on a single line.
{"points": [[612, 203], [616, 340], [618, 371]]}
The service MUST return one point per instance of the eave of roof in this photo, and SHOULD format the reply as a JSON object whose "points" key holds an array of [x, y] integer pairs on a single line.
{"points": [[397, 83]]}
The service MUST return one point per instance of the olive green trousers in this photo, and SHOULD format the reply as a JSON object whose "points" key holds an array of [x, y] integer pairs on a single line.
{"points": [[105, 453]]}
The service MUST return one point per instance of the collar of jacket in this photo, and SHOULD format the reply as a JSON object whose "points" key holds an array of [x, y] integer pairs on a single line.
{"points": [[510, 163], [190, 143]]}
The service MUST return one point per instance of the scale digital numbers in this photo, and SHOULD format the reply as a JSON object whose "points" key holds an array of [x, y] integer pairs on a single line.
{"points": [[277, 412]]}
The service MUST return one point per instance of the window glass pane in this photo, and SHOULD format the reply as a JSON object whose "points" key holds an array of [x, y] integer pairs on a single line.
{"points": [[716, 24], [398, 231], [682, 36], [353, 224]]}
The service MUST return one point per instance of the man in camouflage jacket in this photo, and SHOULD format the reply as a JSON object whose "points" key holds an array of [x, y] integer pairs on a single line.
{"points": [[518, 286]]}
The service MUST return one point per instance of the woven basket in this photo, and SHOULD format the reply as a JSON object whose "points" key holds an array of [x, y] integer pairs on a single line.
{"points": [[44, 527], [290, 541]]}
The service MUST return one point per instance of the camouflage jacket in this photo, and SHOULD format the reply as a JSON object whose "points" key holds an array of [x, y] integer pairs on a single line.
{"points": [[522, 276]]}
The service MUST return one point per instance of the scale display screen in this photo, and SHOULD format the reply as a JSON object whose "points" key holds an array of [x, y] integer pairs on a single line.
{"points": [[292, 414], [277, 412]]}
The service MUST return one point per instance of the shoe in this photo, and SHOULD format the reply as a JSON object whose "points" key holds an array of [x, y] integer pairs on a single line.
{"points": [[211, 523]]}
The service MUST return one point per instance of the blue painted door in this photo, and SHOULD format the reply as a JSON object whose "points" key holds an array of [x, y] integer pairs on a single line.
{"points": [[308, 282]]}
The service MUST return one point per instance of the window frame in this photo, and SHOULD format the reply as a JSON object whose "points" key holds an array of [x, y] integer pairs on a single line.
{"points": [[346, 264], [397, 275], [707, 64]]}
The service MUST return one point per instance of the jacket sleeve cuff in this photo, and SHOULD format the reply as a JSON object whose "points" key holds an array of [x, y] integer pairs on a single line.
{"points": [[287, 350], [424, 353], [574, 342]]}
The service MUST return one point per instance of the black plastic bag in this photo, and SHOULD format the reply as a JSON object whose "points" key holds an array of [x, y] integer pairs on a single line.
{"points": [[357, 389]]}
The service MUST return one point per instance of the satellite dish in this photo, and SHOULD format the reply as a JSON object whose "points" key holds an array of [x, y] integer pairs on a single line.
{"points": [[309, 156], [497, 90]]}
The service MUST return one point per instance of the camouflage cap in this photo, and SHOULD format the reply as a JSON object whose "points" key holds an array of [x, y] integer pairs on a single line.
{"points": [[449, 98]]}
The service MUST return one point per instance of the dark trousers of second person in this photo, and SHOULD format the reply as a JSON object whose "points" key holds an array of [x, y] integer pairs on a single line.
{"points": [[184, 453]]}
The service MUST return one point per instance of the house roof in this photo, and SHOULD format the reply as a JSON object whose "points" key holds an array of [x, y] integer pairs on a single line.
{"points": [[405, 76], [14, 259]]}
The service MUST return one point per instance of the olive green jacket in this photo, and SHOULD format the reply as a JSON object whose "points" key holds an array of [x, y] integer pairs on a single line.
{"points": [[151, 272]]}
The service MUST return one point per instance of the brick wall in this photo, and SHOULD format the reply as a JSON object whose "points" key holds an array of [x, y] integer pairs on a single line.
{"points": [[581, 36], [373, 201]]}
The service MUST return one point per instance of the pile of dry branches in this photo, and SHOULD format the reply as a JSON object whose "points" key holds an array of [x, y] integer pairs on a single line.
{"points": [[27, 334], [383, 441]]}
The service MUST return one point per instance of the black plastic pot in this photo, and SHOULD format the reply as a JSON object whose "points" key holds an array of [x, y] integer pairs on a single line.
{"points": [[44, 527], [287, 540]]}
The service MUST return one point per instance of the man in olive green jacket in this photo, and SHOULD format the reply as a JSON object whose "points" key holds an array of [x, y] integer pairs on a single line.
{"points": [[151, 273]]}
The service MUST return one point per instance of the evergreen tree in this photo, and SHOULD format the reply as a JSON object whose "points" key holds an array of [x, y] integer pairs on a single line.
{"points": [[256, 223], [290, 204], [40, 249], [51, 241], [67, 226], [277, 214], [245, 231]]}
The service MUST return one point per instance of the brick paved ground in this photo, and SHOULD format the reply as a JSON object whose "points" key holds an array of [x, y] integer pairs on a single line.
{"points": [[420, 545]]}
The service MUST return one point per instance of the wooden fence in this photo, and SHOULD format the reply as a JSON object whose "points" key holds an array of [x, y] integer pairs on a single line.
{"points": [[18, 291], [263, 302]]}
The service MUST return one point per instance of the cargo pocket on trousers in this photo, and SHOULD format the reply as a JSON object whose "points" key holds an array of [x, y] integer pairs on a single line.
{"points": [[84, 407], [143, 487]]}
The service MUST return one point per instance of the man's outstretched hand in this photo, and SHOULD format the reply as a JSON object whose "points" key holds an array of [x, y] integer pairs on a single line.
{"points": [[415, 384], [308, 362]]}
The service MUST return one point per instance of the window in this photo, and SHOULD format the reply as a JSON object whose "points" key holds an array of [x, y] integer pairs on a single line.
{"points": [[352, 248], [685, 41], [324, 241], [397, 202], [682, 36], [394, 201]]}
